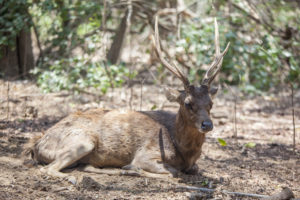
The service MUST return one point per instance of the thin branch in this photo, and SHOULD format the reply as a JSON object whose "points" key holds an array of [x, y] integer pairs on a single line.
{"points": [[262, 14], [178, 25], [130, 97], [206, 190], [99, 29], [182, 62], [246, 13], [103, 25], [41, 55], [25, 54], [141, 102], [285, 193], [7, 114], [128, 23], [235, 110], [293, 113], [269, 27]]}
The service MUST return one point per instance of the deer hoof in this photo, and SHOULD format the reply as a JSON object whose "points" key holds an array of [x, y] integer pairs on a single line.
{"points": [[43, 170], [193, 170], [130, 173], [71, 179], [131, 167]]}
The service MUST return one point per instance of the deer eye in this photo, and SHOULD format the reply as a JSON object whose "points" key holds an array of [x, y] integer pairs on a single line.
{"points": [[188, 106], [209, 108]]}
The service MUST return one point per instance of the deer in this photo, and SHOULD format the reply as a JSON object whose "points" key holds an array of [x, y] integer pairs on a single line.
{"points": [[154, 144]]}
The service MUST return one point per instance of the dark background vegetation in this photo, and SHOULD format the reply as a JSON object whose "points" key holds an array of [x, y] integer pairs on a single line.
{"points": [[77, 44]]}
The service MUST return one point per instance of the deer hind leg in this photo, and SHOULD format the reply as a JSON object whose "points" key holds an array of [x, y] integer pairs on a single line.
{"points": [[158, 170], [68, 156], [128, 170]]}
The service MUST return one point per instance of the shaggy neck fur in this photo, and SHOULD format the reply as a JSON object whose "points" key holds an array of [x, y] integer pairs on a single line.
{"points": [[189, 140]]}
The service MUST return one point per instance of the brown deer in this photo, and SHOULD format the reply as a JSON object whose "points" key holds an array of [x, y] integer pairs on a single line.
{"points": [[150, 143]]}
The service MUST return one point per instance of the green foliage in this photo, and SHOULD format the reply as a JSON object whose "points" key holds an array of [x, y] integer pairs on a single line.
{"points": [[257, 60], [205, 182], [222, 142], [64, 25], [13, 19], [261, 56], [250, 144], [154, 107], [76, 74]]}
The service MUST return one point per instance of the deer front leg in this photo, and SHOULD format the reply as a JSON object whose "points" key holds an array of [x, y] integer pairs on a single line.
{"points": [[159, 171], [152, 165], [192, 170]]}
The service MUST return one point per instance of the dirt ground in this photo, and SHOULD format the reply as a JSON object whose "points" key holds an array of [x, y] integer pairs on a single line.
{"points": [[263, 122]]}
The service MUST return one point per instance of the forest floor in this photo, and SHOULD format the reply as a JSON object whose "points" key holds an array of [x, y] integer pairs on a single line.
{"points": [[260, 161]]}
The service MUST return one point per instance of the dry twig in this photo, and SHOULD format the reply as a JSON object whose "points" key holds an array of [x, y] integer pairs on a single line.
{"points": [[293, 114], [286, 193], [234, 113], [7, 114], [141, 102]]}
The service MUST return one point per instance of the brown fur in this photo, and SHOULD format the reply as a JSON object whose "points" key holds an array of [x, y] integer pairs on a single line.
{"points": [[29, 146], [148, 143]]}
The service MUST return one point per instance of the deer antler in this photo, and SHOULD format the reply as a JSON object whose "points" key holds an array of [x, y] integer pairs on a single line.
{"points": [[171, 67], [216, 65]]}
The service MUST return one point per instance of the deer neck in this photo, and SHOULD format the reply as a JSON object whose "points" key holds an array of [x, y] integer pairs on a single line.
{"points": [[189, 140]]}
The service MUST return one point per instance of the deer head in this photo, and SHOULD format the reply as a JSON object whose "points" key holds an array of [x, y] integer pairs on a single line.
{"points": [[195, 101]]}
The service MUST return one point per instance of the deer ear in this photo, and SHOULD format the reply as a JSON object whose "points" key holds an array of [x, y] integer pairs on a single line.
{"points": [[173, 95], [213, 91]]}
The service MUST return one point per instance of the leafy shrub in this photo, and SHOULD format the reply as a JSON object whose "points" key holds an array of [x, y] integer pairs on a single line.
{"points": [[253, 64], [77, 74], [258, 59], [63, 27]]}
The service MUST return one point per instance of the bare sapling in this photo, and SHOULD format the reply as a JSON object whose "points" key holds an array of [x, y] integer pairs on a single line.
{"points": [[293, 115], [142, 143]]}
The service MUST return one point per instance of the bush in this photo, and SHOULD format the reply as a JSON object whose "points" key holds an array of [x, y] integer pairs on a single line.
{"points": [[259, 58], [77, 74]]}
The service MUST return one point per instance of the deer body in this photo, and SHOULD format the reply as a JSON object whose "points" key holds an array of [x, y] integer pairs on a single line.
{"points": [[120, 138], [142, 143]]}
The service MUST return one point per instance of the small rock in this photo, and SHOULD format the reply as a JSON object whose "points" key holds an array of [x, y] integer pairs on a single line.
{"points": [[195, 195], [90, 184]]}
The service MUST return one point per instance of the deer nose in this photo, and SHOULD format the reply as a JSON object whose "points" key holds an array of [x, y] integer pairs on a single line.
{"points": [[207, 125]]}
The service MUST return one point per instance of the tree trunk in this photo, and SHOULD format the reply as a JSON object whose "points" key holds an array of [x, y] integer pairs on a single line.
{"points": [[18, 62], [116, 46]]}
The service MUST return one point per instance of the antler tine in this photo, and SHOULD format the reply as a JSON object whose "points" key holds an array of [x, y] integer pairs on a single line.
{"points": [[216, 65], [172, 68], [217, 41]]}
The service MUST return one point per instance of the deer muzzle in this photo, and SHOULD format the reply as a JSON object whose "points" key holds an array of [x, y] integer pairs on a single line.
{"points": [[205, 126]]}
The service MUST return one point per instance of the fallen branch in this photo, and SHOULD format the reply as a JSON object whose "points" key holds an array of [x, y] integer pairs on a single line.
{"points": [[285, 194]]}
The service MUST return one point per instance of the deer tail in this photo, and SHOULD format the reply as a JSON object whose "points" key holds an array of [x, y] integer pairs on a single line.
{"points": [[29, 150]]}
